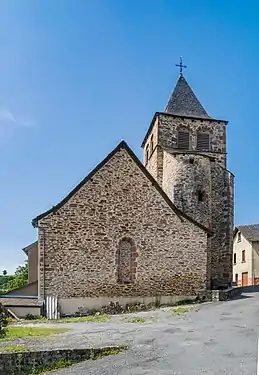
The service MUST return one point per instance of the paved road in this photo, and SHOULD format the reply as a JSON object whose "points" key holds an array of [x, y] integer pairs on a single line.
{"points": [[218, 338]]}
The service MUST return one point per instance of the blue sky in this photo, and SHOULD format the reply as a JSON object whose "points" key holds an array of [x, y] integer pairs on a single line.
{"points": [[76, 77]]}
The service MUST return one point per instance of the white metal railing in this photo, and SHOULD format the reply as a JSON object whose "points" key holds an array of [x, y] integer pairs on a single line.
{"points": [[51, 307]]}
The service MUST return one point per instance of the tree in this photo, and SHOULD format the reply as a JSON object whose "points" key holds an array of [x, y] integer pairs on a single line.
{"points": [[19, 279], [4, 272]]}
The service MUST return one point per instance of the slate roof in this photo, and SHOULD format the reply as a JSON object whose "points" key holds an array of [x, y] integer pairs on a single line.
{"points": [[184, 102], [20, 288], [123, 145], [250, 232], [27, 248]]}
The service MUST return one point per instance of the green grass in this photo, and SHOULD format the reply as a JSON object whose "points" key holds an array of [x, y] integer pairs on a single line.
{"points": [[179, 311], [135, 320], [89, 319], [14, 333], [60, 364], [107, 352], [13, 349]]}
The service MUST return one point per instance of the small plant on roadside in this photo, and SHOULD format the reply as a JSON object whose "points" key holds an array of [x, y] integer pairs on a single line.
{"points": [[9, 320], [109, 351], [56, 366], [30, 317], [101, 318], [179, 311], [136, 320]]}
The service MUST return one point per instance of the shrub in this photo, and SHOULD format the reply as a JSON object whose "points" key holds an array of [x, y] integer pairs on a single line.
{"points": [[3, 321], [29, 316]]}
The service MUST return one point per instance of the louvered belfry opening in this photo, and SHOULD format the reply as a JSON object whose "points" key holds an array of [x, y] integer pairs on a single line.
{"points": [[183, 139], [203, 141]]}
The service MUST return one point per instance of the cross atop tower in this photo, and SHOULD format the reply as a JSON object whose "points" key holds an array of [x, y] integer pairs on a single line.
{"points": [[181, 66]]}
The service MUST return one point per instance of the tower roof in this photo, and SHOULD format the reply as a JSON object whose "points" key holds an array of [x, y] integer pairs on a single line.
{"points": [[183, 101]]}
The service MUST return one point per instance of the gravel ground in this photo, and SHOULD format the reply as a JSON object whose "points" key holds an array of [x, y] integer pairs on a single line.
{"points": [[216, 338]]}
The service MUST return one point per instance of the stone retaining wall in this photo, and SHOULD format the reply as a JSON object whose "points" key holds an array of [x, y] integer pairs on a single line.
{"points": [[24, 363]]}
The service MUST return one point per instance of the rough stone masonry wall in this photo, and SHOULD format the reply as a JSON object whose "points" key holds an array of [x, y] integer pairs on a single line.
{"points": [[151, 164], [78, 243], [222, 185], [26, 363], [155, 164], [222, 225], [168, 127], [185, 175]]}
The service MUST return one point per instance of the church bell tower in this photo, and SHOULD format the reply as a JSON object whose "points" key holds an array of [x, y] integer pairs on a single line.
{"points": [[185, 151]]}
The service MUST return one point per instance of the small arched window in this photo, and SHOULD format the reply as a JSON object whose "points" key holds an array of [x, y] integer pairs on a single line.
{"points": [[126, 261], [203, 141], [183, 139]]}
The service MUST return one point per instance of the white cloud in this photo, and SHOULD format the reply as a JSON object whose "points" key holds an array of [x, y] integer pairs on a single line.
{"points": [[6, 116], [9, 118]]}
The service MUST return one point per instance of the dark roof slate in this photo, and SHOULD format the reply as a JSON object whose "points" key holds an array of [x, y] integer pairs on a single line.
{"points": [[250, 232], [123, 145], [184, 102]]}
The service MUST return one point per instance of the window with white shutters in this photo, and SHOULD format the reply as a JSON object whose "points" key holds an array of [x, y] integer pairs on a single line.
{"points": [[203, 141], [183, 140]]}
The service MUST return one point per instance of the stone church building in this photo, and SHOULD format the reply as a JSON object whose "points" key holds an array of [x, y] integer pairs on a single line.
{"points": [[132, 230]]}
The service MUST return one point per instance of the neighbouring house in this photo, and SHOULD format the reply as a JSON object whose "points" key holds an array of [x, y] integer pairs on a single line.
{"points": [[32, 253], [135, 232], [246, 255], [20, 307], [24, 300]]}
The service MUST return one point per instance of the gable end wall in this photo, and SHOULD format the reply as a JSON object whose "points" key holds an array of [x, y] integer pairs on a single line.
{"points": [[78, 243]]}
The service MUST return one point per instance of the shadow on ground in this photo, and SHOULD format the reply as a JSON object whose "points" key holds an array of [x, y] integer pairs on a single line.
{"points": [[250, 289]]}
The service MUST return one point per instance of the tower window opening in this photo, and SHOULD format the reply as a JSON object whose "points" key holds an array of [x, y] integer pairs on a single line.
{"points": [[203, 141], [183, 140], [201, 196]]}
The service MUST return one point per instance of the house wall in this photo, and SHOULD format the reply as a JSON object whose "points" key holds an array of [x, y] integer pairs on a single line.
{"points": [[255, 247], [79, 242], [33, 263], [241, 267], [22, 311]]}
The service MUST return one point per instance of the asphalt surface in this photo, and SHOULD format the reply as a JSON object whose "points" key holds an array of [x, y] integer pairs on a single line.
{"points": [[216, 338]]}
